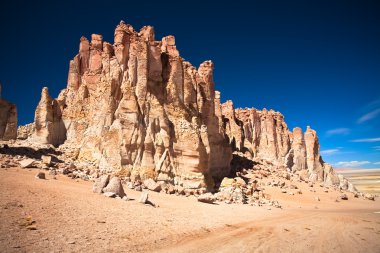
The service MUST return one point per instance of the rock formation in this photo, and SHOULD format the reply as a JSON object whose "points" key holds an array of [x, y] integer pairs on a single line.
{"points": [[48, 124], [264, 134], [139, 107], [8, 119]]}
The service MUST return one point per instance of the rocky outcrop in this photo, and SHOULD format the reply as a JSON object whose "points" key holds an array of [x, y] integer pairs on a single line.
{"points": [[8, 119], [48, 124], [265, 135], [136, 105]]}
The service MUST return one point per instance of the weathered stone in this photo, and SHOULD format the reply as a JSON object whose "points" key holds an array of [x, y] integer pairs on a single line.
{"points": [[115, 186], [152, 185], [49, 127], [369, 196], [40, 175], [8, 119], [138, 106], [27, 163], [143, 198], [344, 197], [100, 183], [207, 198]]}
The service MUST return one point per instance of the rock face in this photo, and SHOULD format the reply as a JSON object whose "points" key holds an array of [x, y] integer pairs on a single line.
{"points": [[265, 135], [48, 124], [8, 119], [138, 106]]}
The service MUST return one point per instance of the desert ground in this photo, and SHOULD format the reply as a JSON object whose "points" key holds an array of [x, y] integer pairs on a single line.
{"points": [[63, 215]]}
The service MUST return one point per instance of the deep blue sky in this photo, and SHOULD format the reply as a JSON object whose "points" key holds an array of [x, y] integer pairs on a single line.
{"points": [[317, 62]]}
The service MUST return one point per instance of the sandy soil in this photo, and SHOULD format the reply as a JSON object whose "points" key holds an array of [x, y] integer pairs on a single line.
{"points": [[70, 218]]}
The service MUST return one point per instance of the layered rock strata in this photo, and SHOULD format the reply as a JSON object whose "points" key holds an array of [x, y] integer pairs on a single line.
{"points": [[8, 119]]}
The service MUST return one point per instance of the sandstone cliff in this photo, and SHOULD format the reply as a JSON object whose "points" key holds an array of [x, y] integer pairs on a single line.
{"points": [[139, 107], [8, 119]]}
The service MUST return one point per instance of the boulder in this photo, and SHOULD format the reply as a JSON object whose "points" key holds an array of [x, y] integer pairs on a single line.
{"points": [[152, 185], [27, 163], [207, 198], [40, 175], [100, 183], [143, 198], [115, 186]]}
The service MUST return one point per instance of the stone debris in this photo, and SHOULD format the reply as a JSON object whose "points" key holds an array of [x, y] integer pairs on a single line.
{"points": [[115, 186], [207, 198], [152, 185], [100, 183], [369, 196], [27, 163], [143, 198], [40, 175]]}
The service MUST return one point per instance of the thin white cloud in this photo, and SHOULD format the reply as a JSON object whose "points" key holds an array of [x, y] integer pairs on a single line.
{"points": [[352, 163], [377, 148], [367, 140], [369, 116], [330, 151], [338, 131], [377, 163]]}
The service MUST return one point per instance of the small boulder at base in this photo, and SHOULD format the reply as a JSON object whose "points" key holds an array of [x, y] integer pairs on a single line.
{"points": [[115, 186], [152, 185], [143, 198], [207, 198], [369, 196], [27, 163], [344, 197], [100, 183], [40, 175]]}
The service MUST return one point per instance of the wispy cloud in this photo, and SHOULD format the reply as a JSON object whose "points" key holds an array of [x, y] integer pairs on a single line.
{"points": [[371, 115], [367, 140], [377, 163], [338, 131], [330, 151], [352, 163], [377, 148]]}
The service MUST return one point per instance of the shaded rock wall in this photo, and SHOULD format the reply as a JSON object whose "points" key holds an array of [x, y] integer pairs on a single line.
{"points": [[8, 119]]}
